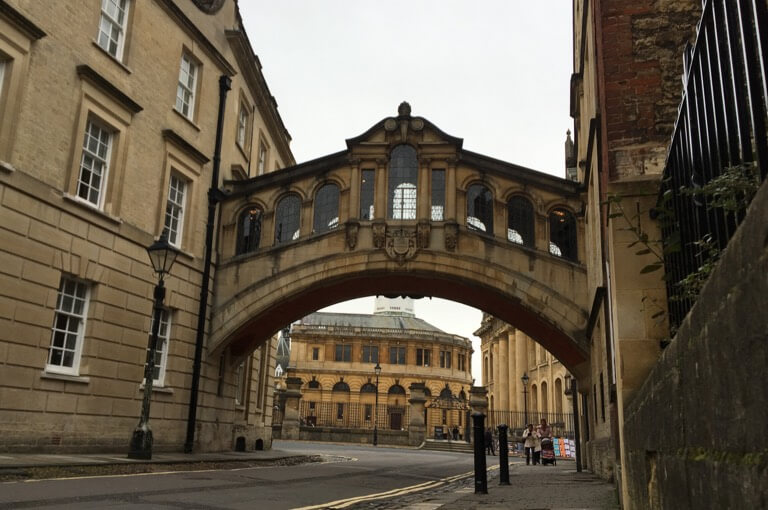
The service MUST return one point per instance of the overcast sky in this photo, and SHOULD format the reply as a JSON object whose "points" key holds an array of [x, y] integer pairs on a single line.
{"points": [[495, 73]]}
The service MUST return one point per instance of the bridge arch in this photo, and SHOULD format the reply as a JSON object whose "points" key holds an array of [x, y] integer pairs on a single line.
{"points": [[259, 292]]}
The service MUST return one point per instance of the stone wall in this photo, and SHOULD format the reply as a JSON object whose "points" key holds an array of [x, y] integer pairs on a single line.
{"points": [[695, 432], [339, 435]]}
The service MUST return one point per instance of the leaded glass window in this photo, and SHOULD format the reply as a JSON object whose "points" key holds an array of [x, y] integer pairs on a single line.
{"points": [[520, 221], [480, 209], [562, 234], [326, 208], [287, 219], [403, 175], [249, 230], [438, 195], [366, 195]]}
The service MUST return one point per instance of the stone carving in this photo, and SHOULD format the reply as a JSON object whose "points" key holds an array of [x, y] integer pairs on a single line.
{"points": [[379, 234], [404, 121], [451, 236], [401, 244], [422, 234], [352, 228]]}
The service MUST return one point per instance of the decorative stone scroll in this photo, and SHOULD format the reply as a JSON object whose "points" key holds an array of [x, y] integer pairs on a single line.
{"points": [[352, 229], [401, 244], [403, 121], [451, 236]]}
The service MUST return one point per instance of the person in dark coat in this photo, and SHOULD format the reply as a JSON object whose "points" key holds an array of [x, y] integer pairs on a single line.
{"points": [[489, 442]]}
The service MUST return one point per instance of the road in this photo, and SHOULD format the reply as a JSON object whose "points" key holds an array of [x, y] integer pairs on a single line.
{"points": [[352, 471]]}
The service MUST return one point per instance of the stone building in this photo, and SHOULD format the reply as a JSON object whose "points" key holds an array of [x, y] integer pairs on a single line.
{"points": [[108, 122], [507, 354], [334, 354]]}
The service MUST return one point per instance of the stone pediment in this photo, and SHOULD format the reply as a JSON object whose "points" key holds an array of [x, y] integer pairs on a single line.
{"points": [[404, 128]]}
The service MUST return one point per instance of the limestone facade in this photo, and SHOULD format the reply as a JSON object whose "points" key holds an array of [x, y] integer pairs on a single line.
{"points": [[334, 355], [108, 114], [507, 354]]}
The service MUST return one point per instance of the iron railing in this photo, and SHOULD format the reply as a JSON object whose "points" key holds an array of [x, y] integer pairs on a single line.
{"points": [[561, 423], [721, 124], [353, 415]]}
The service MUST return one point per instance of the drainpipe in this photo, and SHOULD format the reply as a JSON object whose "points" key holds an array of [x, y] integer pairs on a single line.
{"points": [[214, 197]]}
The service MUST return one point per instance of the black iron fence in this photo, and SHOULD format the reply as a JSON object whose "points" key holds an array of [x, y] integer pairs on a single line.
{"points": [[561, 423], [353, 415], [719, 137], [277, 416]]}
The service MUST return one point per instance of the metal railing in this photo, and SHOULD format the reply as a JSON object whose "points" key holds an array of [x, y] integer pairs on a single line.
{"points": [[721, 124], [353, 415], [561, 423]]}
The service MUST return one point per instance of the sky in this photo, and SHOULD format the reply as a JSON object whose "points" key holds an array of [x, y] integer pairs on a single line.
{"points": [[493, 72]]}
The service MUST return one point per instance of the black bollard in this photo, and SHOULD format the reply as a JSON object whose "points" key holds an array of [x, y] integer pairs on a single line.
{"points": [[481, 477], [503, 456]]}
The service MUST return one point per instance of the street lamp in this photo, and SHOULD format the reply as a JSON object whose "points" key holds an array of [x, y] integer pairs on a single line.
{"points": [[162, 255], [377, 370], [525, 380]]}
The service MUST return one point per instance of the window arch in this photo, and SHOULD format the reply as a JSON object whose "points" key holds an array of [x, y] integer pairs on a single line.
{"points": [[341, 386], [480, 209], [248, 230], [558, 397], [403, 176], [313, 384], [446, 392], [534, 398], [520, 221], [562, 234], [427, 391], [544, 397], [326, 215], [287, 219], [396, 389], [368, 388]]}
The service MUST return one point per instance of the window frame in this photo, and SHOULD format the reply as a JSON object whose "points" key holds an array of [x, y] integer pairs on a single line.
{"points": [[325, 208], [342, 353], [241, 384], [163, 338], [186, 87], [403, 177], [571, 251], [397, 351], [524, 222], [243, 127], [423, 356], [119, 54], [372, 352], [315, 356], [487, 218], [437, 186], [261, 157], [295, 234], [81, 318], [172, 205], [105, 161], [254, 234], [367, 193]]}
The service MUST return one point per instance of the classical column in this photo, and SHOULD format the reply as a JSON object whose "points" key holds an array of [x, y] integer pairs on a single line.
{"points": [[291, 417], [417, 427], [514, 378], [423, 195], [521, 363], [495, 373], [503, 387], [450, 189], [380, 190], [354, 190]]}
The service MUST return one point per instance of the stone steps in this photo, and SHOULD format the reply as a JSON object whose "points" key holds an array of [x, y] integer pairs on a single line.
{"points": [[447, 446]]}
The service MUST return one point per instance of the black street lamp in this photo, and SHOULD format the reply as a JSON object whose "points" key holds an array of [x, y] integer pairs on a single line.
{"points": [[376, 369], [162, 256], [525, 380]]}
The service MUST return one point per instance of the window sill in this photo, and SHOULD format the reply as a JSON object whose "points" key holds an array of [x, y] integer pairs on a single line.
{"points": [[89, 207], [7, 167], [112, 57], [65, 377], [186, 119], [243, 151], [157, 389]]}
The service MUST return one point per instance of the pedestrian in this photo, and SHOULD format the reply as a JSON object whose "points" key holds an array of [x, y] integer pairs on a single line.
{"points": [[489, 442], [529, 438], [455, 432], [545, 430]]}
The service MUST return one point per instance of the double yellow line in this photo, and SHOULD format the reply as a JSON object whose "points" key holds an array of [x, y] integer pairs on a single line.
{"points": [[344, 503]]}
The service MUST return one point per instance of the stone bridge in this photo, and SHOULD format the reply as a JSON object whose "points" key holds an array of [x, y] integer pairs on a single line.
{"points": [[404, 210]]}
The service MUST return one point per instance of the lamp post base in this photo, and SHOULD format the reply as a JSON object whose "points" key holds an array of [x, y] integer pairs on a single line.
{"points": [[141, 443]]}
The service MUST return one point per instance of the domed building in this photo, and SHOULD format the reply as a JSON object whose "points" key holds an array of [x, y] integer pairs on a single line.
{"points": [[336, 355]]}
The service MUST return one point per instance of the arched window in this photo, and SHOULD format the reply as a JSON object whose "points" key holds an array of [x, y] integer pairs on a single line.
{"points": [[427, 392], [544, 397], [562, 234], [462, 395], [248, 230], [313, 384], [326, 208], [446, 392], [534, 398], [558, 398], [287, 217], [368, 388], [341, 386], [396, 389], [403, 175], [480, 209], [520, 221]]}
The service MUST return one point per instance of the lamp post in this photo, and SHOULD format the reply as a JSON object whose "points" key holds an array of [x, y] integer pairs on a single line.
{"points": [[162, 255], [377, 370], [525, 380]]}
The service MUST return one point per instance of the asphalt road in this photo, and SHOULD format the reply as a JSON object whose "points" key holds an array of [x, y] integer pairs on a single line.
{"points": [[352, 471]]}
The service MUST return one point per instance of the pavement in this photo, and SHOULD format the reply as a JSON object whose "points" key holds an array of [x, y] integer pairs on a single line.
{"points": [[531, 487]]}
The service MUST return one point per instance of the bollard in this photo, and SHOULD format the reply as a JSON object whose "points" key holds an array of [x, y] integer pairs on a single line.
{"points": [[481, 477], [503, 456]]}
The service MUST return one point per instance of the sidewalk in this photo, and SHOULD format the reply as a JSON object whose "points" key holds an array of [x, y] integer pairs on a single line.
{"points": [[550, 487]]}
